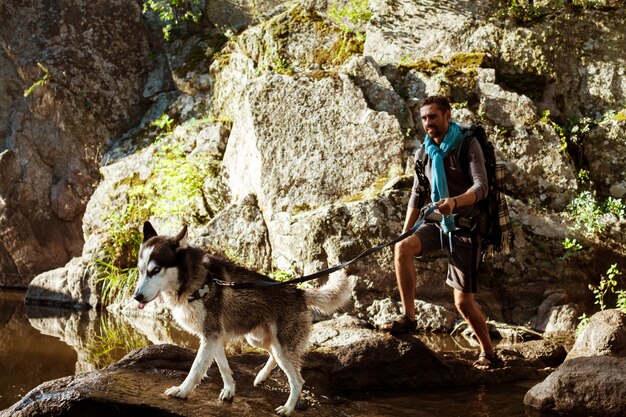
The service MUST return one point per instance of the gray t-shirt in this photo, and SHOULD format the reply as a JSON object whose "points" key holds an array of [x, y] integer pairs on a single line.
{"points": [[458, 180]]}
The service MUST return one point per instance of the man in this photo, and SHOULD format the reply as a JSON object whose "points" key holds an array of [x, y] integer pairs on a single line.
{"points": [[455, 191]]}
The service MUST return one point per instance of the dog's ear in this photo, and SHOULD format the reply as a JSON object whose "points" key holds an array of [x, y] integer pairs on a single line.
{"points": [[148, 231], [181, 238]]}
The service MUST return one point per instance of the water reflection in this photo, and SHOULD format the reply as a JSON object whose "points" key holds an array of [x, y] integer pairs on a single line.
{"points": [[27, 357], [41, 343]]}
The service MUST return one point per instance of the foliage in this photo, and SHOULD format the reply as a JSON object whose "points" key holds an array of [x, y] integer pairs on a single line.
{"points": [[40, 82], [587, 214], [164, 122], [571, 247], [173, 14], [351, 17], [284, 275], [174, 190], [572, 132], [606, 286], [591, 216]]}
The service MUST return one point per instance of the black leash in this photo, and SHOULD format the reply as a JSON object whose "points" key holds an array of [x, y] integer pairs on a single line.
{"points": [[424, 212]]}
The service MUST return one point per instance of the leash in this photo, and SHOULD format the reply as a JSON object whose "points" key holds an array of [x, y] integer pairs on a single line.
{"points": [[424, 212]]}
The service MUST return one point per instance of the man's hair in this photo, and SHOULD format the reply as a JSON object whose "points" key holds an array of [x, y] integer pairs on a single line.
{"points": [[442, 103]]}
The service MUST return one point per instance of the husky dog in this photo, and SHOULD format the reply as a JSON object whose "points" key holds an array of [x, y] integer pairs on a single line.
{"points": [[274, 318]]}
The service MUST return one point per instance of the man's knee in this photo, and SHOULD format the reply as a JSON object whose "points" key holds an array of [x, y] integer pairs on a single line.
{"points": [[408, 248], [464, 303]]}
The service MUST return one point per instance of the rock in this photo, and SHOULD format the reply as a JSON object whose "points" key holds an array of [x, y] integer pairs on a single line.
{"points": [[503, 107], [605, 153], [541, 353], [605, 335], [68, 90], [534, 170], [269, 155], [362, 360], [238, 13], [376, 88], [585, 386], [430, 317], [240, 231], [556, 316], [70, 286]]}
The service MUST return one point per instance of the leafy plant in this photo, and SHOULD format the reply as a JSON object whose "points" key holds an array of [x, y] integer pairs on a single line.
{"points": [[173, 14], [40, 82], [164, 123], [592, 216], [571, 247], [587, 214], [606, 286], [351, 17]]}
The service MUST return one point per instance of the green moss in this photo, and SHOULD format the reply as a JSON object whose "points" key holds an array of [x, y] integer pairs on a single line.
{"points": [[467, 60], [425, 66], [346, 46], [459, 72]]}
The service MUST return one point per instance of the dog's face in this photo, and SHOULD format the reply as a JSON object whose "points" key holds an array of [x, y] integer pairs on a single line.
{"points": [[158, 270]]}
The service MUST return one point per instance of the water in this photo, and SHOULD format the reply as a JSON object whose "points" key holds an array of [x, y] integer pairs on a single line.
{"points": [[40, 344]]}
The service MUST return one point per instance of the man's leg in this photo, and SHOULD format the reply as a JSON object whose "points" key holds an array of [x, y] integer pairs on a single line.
{"points": [[404, 254], [464, 302]]}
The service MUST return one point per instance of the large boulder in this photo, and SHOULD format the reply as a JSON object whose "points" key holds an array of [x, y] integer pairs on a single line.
{"points": [[605, 335], [340, 146], [592, 379], [585, 386], [72, 83]]}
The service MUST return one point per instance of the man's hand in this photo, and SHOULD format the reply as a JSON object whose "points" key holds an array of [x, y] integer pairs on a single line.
{"points": [[446, 206]]}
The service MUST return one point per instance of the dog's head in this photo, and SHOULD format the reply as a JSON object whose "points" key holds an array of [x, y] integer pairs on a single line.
{"points": [[158, 270]]}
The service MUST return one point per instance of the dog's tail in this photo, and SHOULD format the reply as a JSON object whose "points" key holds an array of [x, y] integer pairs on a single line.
{"points": [[332, 296]]}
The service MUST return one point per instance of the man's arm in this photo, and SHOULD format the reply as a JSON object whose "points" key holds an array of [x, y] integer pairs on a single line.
{"points": [[479, 188], [412, 214]]}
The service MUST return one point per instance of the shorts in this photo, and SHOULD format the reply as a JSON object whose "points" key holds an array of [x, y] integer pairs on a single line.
{"points": [[464, 260]]}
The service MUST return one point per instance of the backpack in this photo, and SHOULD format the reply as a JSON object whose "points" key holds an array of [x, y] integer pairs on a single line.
{"points": [[494, 223]]}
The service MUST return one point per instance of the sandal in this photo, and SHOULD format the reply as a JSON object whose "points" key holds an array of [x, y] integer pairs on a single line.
{"points": [[401, 324], [486, 362]]}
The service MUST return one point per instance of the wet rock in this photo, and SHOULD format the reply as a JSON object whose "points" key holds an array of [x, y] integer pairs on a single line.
{"points": [[605, 335], [584, 386], [350, 358], [592, 380], [70, 286]]}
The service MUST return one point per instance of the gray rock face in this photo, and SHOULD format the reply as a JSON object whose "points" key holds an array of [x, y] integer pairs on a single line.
{"points": [[339, 145], [87, 87]]}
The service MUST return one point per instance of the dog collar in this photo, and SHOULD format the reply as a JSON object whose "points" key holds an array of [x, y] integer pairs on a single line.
{"points": [[198, 294]]}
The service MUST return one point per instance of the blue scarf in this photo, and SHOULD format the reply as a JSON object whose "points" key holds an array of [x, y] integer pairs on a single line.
{"points": [[437, 153]]}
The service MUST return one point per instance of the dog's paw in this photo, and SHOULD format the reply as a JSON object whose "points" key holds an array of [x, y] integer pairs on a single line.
{"points": [[284, 411], [227, 394], [177, 392]]}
